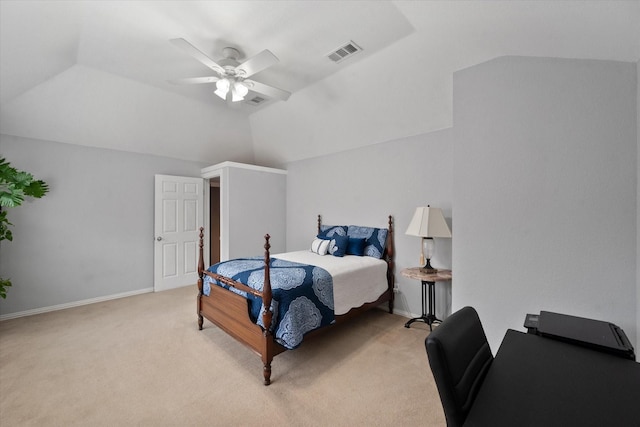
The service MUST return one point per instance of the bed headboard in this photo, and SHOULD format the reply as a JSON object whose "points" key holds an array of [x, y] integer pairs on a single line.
{"points": [[389, 243], [388, 255]]}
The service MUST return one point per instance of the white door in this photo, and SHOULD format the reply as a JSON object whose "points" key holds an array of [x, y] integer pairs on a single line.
{"points": [[179, 204]]}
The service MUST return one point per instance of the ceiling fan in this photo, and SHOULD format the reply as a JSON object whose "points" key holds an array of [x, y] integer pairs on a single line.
{"points": [[232, 77]]}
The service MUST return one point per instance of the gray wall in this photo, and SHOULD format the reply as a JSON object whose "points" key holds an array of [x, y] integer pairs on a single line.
{"points": [[256, 207], [638, 208], [366, 185], [92, 235], [545, 191]]}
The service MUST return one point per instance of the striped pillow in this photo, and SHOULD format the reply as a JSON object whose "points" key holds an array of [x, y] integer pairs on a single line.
{"points": [[320, 246]]}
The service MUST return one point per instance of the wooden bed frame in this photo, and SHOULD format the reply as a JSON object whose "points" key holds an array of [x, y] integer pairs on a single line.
{"points": [[230, 311]]}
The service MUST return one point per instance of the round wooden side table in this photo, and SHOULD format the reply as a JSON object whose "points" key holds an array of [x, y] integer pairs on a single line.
{"points": [[428, 290]]}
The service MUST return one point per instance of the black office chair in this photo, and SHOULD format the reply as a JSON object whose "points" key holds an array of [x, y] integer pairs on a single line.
{"points": [[459, 356]]}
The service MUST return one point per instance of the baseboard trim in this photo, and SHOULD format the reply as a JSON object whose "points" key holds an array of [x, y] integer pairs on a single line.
{"points": [[124, 295], [73, 304], [402, 313]]}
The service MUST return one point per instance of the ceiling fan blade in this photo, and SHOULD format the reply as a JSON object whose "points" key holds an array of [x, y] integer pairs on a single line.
{"points": [[270, 91], [197, 54], [194, 80], [257, 63]]}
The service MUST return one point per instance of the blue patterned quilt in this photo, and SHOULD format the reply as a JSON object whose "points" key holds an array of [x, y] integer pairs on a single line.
{"points": [[302, 295]]}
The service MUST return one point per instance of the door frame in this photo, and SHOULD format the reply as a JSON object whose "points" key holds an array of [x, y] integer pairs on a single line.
{"points": [[214, 213], [220, 172]]}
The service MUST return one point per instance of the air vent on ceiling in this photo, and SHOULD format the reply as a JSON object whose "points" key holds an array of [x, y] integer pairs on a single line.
{"points": [[256, 100], [344, 52]]}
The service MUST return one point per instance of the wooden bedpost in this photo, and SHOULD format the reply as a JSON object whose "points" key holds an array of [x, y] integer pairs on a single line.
{"points": [[390, 264], [267, 314], [319, 222], [200, 277]]}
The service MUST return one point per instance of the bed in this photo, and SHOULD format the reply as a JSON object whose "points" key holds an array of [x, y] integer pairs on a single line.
{"points": [[361, 278]]}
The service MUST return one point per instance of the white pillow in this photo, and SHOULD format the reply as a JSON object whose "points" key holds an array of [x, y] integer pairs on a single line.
{"points": [[320, 246]]}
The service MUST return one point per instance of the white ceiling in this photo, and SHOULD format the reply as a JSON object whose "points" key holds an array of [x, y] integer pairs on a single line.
{"points": [[95, 72]]}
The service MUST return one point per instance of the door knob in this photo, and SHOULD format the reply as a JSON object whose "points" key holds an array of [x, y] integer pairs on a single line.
{"points": [[159, 238]]}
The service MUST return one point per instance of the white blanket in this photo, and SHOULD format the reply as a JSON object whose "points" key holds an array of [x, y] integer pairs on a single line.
{"points": [[356, 279]]}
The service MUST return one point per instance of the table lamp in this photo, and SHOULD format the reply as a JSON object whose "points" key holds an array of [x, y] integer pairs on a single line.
{"points": [[428, 223]]}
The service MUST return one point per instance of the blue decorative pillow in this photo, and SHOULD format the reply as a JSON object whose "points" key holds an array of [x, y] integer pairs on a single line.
{"points": [[327, 231], [355, 246], [338, 245], [375, 239]]}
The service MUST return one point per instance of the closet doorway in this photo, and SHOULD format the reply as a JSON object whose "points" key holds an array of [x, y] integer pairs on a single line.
{"points": [[214, 209], [251, 203]]}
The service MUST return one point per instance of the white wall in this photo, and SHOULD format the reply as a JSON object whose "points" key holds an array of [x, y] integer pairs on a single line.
{"points": [[364, 186], [638, 209], [91, 236], [406, 89], [545, 191], [85, 106]]}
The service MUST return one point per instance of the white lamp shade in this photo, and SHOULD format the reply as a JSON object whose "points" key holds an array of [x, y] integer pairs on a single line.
{"points": [[241, 89], [238, 91], [222, 88], [428, 222]]}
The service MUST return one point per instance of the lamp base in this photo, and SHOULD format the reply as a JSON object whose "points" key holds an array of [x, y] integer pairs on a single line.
{"points": [[428, 269]]}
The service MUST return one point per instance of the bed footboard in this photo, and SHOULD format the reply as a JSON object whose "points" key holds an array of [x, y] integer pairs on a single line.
{"points": [[230, 311]]}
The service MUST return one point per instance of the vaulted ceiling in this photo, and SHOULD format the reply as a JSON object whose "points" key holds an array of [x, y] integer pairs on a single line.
{"points": [[95, 72]]}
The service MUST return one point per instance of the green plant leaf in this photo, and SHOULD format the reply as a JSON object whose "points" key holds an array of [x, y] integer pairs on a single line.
{"points": [[15, 185], [22, 179], [6, 171], [5, 233], [12, 197], [36, 189], [4, 283]]}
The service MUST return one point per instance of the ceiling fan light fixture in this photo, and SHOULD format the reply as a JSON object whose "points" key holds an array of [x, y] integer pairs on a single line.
{"points": [[231, 75], [222, 88], [238, 91]]}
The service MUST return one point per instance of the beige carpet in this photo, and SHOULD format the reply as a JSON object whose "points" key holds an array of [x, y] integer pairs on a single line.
{"points": [[142, 361]]}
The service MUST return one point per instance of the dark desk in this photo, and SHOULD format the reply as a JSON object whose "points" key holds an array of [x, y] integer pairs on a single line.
{"points": [[536, 381]]}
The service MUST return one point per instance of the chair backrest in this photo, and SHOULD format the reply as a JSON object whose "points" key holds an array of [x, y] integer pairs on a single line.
{"points": [[459, 356]]}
